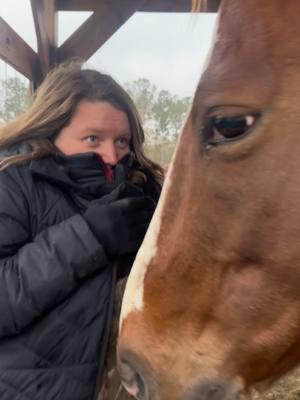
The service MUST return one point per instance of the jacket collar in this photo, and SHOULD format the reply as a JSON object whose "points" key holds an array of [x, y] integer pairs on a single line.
{"points": [[48, 169]]}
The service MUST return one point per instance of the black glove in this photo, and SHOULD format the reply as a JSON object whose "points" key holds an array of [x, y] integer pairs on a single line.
{"points": [[123, 191], [120, 223]]}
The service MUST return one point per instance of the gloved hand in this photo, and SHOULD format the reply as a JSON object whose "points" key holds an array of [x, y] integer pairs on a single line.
{"points": [[123, 191], [120, 223]]}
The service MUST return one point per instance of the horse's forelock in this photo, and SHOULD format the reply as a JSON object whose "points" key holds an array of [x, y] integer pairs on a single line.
{"points": [[198, 5]]}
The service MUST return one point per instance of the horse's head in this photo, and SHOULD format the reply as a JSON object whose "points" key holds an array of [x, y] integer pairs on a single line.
{"points": [[213, 301]]}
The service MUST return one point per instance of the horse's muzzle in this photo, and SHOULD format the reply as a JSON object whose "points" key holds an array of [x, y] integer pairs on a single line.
{"points": [[213, 390], [138, 378], [132, 380]]}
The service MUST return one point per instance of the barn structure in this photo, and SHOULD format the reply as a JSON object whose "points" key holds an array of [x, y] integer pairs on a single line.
{"points": [[106, 18]]}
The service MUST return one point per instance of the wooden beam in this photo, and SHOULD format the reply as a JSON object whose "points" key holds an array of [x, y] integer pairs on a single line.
{"points": [[150, 6], [16, 52], [76, 5], [166, 6], [91, 5], [176, 6], [45, 21], [213, 5], [97, 29]]}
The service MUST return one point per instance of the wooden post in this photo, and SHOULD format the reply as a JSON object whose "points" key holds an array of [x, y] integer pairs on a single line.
{"points": [[45, 21]]}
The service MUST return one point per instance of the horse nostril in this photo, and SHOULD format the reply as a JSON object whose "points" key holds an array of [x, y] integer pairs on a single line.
{"points": [[132, 381], [213, 390]]}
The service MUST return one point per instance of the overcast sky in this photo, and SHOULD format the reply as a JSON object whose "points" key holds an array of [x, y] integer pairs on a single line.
{"points": [[168, 49]]}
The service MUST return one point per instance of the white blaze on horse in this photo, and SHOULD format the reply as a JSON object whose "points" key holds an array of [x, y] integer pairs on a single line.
{"points": [[212, 305]]}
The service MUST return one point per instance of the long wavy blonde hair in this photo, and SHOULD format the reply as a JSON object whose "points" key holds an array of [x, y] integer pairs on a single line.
{"points": [[53, 106]]}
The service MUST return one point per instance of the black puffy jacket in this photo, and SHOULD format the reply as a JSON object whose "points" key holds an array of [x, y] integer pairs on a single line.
{"points": [[56, 289]]}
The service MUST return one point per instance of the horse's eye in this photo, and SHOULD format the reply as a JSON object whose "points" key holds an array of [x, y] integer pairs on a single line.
{"points": [[223, 129]]}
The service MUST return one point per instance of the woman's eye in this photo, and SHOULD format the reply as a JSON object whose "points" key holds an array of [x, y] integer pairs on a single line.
{"points": [[122, 142], [91, 139], [222, 129]]}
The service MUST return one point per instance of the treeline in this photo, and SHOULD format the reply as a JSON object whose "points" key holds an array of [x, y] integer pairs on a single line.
{"points": [[163, 115], [13, 99]]}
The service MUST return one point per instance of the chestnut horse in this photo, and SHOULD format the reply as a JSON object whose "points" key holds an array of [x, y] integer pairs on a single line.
{"points": [[212, 305]]}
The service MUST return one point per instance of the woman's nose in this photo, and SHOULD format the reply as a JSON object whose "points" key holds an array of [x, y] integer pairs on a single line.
{"points": [[108, 154]]}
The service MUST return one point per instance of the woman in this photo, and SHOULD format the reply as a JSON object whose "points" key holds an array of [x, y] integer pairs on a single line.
{"points": [[67, 211]]}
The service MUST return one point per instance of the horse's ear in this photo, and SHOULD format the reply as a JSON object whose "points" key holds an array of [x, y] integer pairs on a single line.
{"points": [[199, 5]]}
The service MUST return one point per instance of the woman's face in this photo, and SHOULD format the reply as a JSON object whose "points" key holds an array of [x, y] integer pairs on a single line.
{"points": [[96, 127]]}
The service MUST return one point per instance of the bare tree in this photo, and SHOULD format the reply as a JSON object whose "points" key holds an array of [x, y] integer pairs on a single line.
{"points": [[14, 98]]}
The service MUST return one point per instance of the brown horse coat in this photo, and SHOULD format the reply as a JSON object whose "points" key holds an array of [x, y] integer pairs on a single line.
{"points": [[212, 305]]}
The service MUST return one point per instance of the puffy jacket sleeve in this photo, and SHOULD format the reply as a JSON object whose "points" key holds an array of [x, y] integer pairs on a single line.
{"points": [[38, 273]]}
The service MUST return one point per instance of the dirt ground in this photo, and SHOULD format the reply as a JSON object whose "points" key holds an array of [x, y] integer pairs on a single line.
{"points": [[287, 388]]}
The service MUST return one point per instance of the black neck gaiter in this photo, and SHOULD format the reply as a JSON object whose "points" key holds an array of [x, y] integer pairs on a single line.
{"points": [[92, 178]]}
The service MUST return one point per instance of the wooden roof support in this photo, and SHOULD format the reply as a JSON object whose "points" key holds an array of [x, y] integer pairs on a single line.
{"points": [[213, 5], [16, 52], [175, 6], [45, 21], [166, 6], [149, 5], [171, 6], [98, 28], [76, 5], [107, 17]]}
